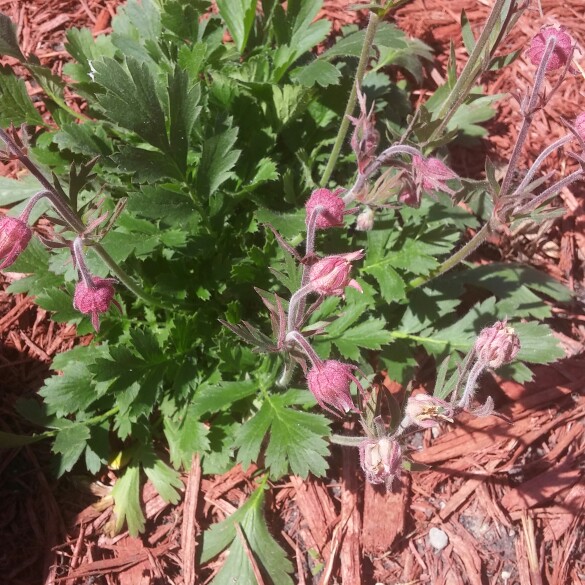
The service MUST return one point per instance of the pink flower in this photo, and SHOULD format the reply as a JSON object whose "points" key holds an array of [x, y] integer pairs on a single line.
{"points": [[95, 299], [333, 208], [329, 381], [14, 237], [410, 197], [330, 275], [561, 52], [497, 345], [431, 174], [381, 460], [426, 411]]}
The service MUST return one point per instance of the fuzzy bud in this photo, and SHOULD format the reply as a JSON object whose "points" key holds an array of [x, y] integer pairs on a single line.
{"points": [[365, 220], [497, 345], [381, 460], [95, 299], [330, 275], [329, 381], [14, 237], [431, 173], [426, 411], [562, 50], [333, 208]]}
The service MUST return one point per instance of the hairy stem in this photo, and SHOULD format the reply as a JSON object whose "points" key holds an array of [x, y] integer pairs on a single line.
{"points": [[300, 340]]}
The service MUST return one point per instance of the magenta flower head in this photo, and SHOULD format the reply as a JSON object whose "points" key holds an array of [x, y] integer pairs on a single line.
{"points": [[333, 208], [431, 173], [14, 237], [330, 275], [426, 411], [497, 345], [329, 381], [95, 299], [562, 50], [381, 460]]}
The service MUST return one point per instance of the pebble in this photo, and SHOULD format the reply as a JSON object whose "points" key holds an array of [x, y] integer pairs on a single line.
{"points": [[437, 538]]}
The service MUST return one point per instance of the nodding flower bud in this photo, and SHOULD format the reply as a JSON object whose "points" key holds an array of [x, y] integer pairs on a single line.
{"points": [[497, 345], [333, 208], [14, 237], [330, 275], [95, 299], [329, 381], [381, 460], [579, 125], [365, 220], [562, 50], [426, 411], [431, 173]]}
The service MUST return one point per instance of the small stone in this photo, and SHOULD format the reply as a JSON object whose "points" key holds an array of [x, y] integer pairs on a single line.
{"points": [[437, 538]]}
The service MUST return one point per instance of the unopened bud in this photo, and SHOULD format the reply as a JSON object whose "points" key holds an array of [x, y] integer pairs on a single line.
{"points": [[333, 208], [330, 381], [365, 220], [426, 411], [95, 299], [14, 238], [381, 460], [330, 275], [562, 50], [497, 345]]}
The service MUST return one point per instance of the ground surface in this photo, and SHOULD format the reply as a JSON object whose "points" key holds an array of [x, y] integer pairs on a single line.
{"points": [[509, 497]]}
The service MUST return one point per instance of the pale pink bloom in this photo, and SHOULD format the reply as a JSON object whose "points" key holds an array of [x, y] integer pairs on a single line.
{"points": [[333, 208], [329, 381], [561, 52], [497, 345], [431, 174], [330, 275], [381, 460], [426, 411], [95, 299], [14, 237], [365, 220]]}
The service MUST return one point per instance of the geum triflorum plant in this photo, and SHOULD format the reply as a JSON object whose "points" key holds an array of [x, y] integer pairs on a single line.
{"points": [[186, 182]]}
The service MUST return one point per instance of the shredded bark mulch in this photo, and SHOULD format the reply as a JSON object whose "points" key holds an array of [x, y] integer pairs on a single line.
{"points": [[502, 500]]}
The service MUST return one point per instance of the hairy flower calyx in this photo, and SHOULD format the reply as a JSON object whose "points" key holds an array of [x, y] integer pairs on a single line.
{"points": [[330, 275], [330, 381], [562, 50], [95, 298], [431, 173], [497, 345], [15, 234], [332, 208]]}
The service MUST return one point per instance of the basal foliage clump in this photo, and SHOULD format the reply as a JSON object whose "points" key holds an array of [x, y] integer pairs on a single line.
{"points": [[207, 181]]}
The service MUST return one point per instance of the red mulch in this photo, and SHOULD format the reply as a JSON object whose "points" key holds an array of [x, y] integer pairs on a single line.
{"points": [[506, 492]]}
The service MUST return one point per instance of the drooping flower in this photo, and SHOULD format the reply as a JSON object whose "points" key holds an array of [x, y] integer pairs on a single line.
{"points": [[426, 411], [333, 208], [497, 345], [381, 460], [330, 381], [562, 50], [431, 173], [95, 299], [15, 234], [330, 275]]}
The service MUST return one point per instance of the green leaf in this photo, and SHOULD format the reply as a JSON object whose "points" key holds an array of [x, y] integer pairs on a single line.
{"points": [[186, 435], [210, 398], [370, 334], [392, 287], [131, 100], [217, 160], [69, 444], [237, 568], [162, 202], [296, 438], [126, 494], [165, 480], [60, 303], [537, 343], [15, 105], [13, 191], [11, 440], [318, 72], [239, 18], [8, 41], [467, 33]]}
